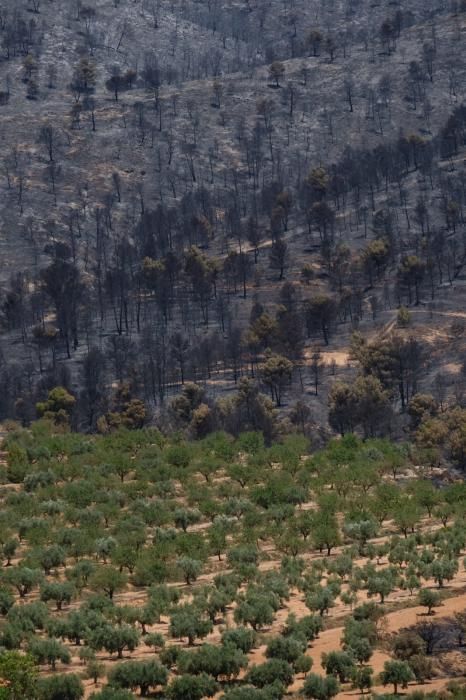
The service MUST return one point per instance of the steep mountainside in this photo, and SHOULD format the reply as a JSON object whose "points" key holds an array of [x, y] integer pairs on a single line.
{"points": [[207, 191]]}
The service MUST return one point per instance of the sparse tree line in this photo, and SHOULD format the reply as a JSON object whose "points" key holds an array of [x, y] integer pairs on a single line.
{"points": [[237, 36]]}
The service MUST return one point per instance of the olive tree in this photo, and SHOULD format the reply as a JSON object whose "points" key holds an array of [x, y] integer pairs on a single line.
{"points": [[23, 579], [256, 607], [49, 651], [225, 660], [242, 638], [108, 579], [362, 678], [320, 688], [186, 621], [287, 648], [66, 686], [339, 664], [443, 570], [428, 599], [190, 569], [114, 639], [155, 640], [321, 600], [396, 673], [270, 672], [58, 592], [188, 687], [138, 674]]}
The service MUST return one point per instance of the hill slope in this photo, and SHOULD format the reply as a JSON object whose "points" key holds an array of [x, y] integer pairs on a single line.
{"points": [[187, 185]]}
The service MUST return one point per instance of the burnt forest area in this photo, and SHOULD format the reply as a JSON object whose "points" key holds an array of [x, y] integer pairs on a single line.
{"points": [[234, 215]]}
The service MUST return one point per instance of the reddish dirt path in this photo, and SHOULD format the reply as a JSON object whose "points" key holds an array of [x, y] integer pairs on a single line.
{"points": [[330, 640]]}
